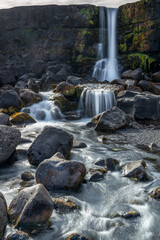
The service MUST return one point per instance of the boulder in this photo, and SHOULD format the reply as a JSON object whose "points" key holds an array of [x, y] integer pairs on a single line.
{"points": [[63, 103], [64, 205], [9, 140], [149, 86], [21, 118], [68, 90], [31, 208], [132, 74], [18, 235], [156, 77], [130, 83], [155, 193], [50, 141], [37, 67], [21, 85], [146, 106], [29, 97], [27, 176], [4, 119], [10, 98], [60, 174], [7, 77], [76, 236], [123, 210], [78, 144], [26, 77], [95, 175], [74, 80], [110, 164], [3, 215], [111, 120], [135, 170], [118, 82], [34, 85]]}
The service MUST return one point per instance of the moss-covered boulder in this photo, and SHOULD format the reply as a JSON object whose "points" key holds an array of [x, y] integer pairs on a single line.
{"points": [[64, 205], [21, 118], [63, 103], [76, 236], [31, 208], [67, 89]]}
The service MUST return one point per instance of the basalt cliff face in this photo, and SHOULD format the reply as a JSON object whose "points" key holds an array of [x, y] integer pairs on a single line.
{"points": [[70, 35], [64, 34], [139, 35]]}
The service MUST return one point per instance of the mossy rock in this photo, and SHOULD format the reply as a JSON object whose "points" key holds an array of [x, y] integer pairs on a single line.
{"points": [[63, 103], [64, 205], [21, 118], [9, 111], [68, 90], [76, 236]]}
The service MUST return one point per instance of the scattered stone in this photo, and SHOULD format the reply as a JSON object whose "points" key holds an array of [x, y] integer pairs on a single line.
{"points": [[63, 103], [68, 90], [50, 141], [135, 170], [110, 164], [132, 74], [91, 125], [95, 175], [21, 118], [18, 235], [64, 205], [154, 184], [73, 117], [27, 176], [118, 82], [152, 148], [20, 85], [3, 215], [124, 211], [76, 236], [78, 144], [111, 120], [31, 208], [59, 174], [156, 193], [149, 86], [156, 77], [9, 140], [74, 80], [4, 119], [34, 85]]}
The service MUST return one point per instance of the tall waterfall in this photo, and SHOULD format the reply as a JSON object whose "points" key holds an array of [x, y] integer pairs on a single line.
{"points": [[95, 101], [106, 68]]}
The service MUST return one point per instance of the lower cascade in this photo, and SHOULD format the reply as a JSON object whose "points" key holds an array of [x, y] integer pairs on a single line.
{"points": [[95, 101], [46, 110]]}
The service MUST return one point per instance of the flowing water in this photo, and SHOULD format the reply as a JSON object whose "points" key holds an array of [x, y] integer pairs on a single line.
{"points": [[106, 68], [96, 100], [97, 200]]}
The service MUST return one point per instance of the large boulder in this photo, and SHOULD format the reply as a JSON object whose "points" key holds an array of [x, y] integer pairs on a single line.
{"points": [[49, 142], [4, 119], [10, 98], [9, 140], [31, 208], [111, 120], [76, 236], [3, 214], [125, 101], [63, 103], [7, 77], [29, 97], [21, 118], [34, 85], [74, 80], [60, 174], [149, 86], [132, 74], [146, 106], [37, 67]]}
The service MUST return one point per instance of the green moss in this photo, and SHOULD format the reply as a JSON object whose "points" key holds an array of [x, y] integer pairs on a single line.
{"points": [[144, 59], [89, 14]]}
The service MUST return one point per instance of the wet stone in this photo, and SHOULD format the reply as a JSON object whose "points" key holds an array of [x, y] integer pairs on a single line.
{"points": [[18, 236], [64, 205], [156, 193], [76, 236], [27, 176], [109, 164], [77, 144]]}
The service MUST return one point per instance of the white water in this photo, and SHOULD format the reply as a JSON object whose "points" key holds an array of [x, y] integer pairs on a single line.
{"points": [[95, 101], [107, 68], [45, 110]]}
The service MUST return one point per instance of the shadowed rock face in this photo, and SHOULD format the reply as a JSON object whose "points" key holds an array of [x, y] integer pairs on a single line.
{"points": [[139, 34], [49, 33]]}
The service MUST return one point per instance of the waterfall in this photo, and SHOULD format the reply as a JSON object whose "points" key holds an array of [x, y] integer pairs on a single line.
{"points": [[95, 101], [45, 110], [107, 68]]}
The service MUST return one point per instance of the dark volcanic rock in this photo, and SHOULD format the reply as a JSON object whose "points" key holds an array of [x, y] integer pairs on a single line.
{"points": [[60, 174], [10, 98], [149, 86], [74, 80], [132, 74], [156, 77], [18, 235], [3, 214], [64, 205], [9, 140], [29, 97], [146, 107], [135, 170], [49, 142], [76, 236], [31, 208], [4, 119], [111, 120], [7, 77], [109, 164]]}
